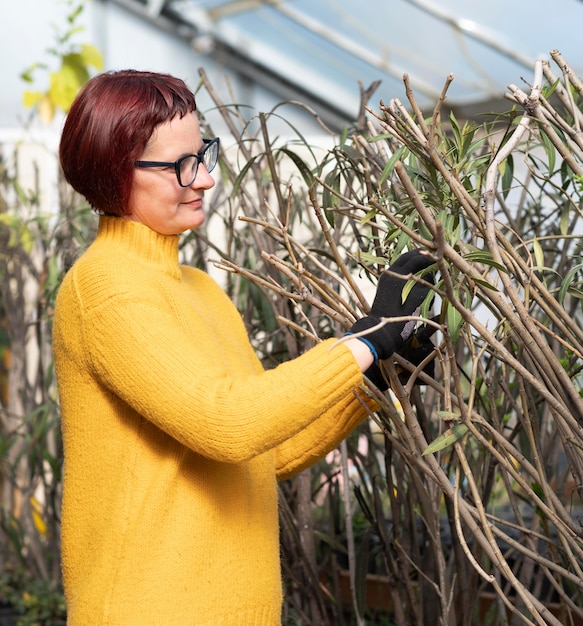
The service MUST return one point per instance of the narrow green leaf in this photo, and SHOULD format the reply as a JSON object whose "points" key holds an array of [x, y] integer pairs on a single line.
{"points": [[330, 217], [567, 281], [550, 150], [390, 165], [407, 290], [329, 198], [411, 283], [27, 74], [539, 255], [368, 217], [242, 175], [370, 259], [548, 90], [485, 257], [447, 439], [303, 168], [564, 223], [454, 322], [507, 171], [380, 137], [486, 284]]}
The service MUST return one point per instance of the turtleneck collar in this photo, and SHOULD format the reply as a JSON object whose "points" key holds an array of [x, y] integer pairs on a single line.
{"points": [[150, 247]]}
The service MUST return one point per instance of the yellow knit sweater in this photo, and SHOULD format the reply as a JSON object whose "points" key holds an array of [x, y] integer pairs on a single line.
{"points": [[174, 436]]}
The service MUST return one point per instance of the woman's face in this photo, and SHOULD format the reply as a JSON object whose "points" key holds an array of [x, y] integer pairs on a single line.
{"points": [[157, 200]]}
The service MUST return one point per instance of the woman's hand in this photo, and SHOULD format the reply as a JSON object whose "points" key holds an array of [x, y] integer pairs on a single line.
{"points": [[388, 303]]}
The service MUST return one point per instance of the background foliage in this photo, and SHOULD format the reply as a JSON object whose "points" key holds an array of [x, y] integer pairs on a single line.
{"points": [[469, 486], [36, 247]]}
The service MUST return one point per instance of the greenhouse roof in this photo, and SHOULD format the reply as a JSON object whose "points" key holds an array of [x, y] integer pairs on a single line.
{"points": [[322, 49]]}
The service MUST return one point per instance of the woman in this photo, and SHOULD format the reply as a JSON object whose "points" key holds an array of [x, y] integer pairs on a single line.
{"points": [[174, 435]]}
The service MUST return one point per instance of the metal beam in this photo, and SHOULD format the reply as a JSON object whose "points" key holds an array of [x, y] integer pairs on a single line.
{"points": [[154, 7], [195, 22], [167, 24]]}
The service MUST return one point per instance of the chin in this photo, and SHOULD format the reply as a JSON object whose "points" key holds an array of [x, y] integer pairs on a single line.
{"points": [[197, 221]]}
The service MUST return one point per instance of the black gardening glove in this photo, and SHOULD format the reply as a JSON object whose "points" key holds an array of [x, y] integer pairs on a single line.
{"points": [[416, 349], [388, 302]]}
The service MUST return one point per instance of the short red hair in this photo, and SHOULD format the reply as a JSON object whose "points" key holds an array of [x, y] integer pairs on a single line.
{"points": [[108, 127]]}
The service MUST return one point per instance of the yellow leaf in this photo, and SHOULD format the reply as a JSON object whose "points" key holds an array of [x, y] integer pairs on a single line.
{"points": [[64, 86], [46, 109], [37, 516], [91, 56], [30, 98]]}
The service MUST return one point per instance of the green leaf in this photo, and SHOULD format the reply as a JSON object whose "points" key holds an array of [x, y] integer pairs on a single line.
{"points": [[485, 257], [303, 169], [485, 284], [567, 281], [424, 231], [75, 14], [370, 259], [390, 165], [453, 317], [539, 255], [329, 199], [330, 217], [507, 171], [380, 137], [539, 491], [447, 439], [368, 217], [548, 90], [550, 150], [564, 223], [411, 283], [242, 175], [454, 323], [26, 75]]}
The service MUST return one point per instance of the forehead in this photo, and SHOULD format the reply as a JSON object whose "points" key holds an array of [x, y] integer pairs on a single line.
{"points": [[180, 134]]}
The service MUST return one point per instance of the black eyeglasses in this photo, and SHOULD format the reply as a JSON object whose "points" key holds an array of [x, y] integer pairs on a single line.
{"points": [[187, 166]]}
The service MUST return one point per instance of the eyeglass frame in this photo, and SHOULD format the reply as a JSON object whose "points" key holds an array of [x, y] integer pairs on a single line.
{"points": [[176, 164]]}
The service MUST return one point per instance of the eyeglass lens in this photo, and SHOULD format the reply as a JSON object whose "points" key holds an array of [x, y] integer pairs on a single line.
{"points": [[189, 164]]}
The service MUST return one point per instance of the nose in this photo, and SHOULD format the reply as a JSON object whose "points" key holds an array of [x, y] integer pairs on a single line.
{"points": [[203, 180]]}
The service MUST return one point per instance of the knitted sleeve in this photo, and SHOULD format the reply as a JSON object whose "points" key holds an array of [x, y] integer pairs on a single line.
{"points": [[192, 385], [323, 435]]}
